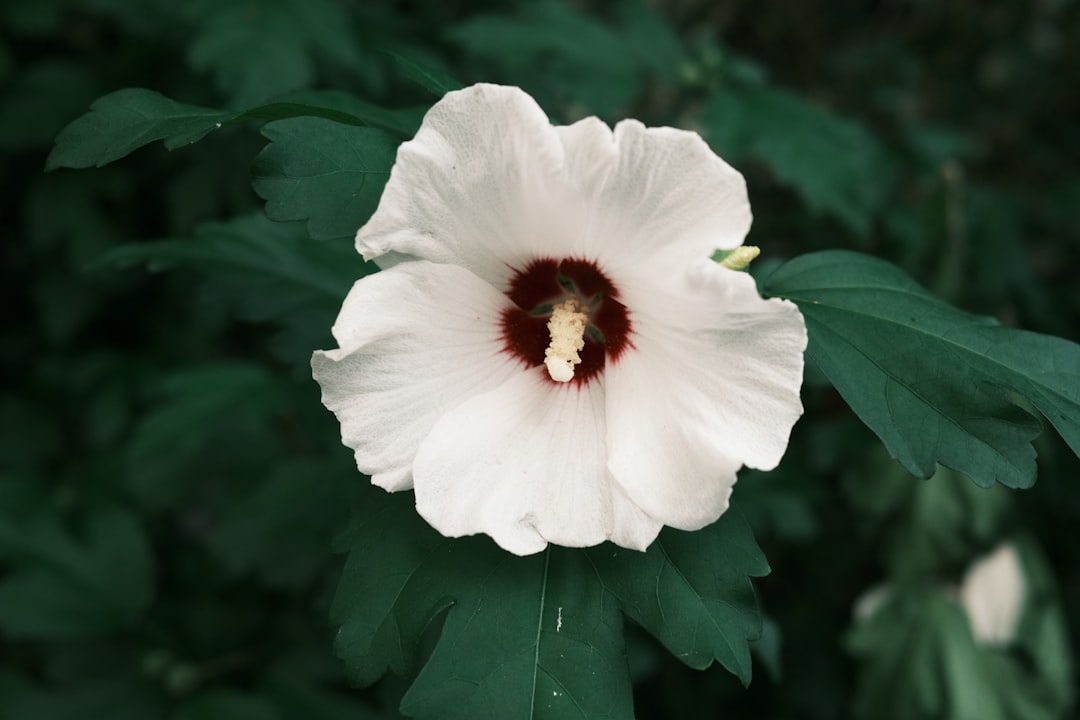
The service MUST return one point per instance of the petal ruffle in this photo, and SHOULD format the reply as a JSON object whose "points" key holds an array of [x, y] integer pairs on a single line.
{"points": [[686, 409], [482, 185], [525, 463], [655, 198], [415, 341]]}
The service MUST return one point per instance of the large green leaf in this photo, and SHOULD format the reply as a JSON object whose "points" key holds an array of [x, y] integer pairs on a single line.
{"points": [[124, 121], [539, 636], [326, 173], [67, 585], [933, 382]]}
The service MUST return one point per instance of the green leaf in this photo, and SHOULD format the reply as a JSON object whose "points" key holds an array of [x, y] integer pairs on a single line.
{"points": [[437, 82], [539, 636], [836, 165], [692, 591], [66, 585], [124, 121], [330, 175], [349, 109], [931, 381]]}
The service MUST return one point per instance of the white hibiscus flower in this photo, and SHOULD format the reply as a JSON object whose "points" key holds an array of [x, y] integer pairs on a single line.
{"points": [[549, 354]]}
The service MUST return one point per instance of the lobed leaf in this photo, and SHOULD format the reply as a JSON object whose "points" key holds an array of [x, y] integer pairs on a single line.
{"points": [[539, 636], [931, 381], [325, 173], [124, 121], [692, 591]]}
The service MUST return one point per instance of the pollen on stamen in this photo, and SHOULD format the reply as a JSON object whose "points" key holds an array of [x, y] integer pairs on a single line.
{"points": [[567, 330]]}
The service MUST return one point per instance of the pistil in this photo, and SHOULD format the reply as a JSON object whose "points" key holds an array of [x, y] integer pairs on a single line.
{"points": [[567, 330]]}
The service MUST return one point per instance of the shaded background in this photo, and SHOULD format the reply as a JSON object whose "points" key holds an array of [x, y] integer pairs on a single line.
{"points": [[170, 486]]}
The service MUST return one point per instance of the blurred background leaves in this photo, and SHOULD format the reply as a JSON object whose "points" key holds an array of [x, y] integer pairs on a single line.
{"points": [[170, 486]]}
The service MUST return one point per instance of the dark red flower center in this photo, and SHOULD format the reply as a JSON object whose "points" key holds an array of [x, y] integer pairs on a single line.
{"points": [[546, 282]]}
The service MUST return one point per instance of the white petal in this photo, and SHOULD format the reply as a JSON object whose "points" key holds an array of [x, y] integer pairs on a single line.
{"points": [[591, 154], [482, 185], [667, 199], [633, 527], [525, 464], [415, 341], [993, 595], [687, 408]]}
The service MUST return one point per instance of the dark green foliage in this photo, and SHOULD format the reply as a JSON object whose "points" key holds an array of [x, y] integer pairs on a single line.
{"points": [[540, 636], [170, 487], [834, 163], [64, 585], [923, 633], [932, 381], [326, 173]]}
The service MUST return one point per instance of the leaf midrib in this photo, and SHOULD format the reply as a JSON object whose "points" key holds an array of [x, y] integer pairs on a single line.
{"points": [[937, 411], [539, 630]]}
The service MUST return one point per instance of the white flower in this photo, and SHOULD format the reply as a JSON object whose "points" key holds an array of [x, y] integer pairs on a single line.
{"points": [[992, 595], [548, 354]]}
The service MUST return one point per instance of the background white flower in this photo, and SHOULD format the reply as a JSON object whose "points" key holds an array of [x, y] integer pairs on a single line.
{"points": [[506, 242], [992, 594]]}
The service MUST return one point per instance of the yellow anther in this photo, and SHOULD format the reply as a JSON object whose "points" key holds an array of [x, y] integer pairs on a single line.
{"points": [[739, 258], [567, 330]]}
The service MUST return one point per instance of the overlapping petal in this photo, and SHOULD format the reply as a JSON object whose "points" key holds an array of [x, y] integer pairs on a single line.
{"points": [[482, 185], [655, 198], [687, 409], [414, 341], [526, 464]]}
